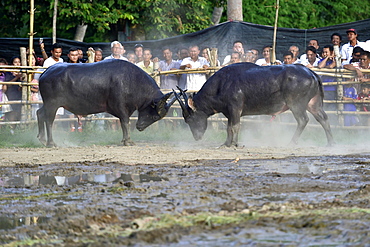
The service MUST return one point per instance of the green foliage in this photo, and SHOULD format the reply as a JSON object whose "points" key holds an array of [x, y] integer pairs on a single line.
{"points": [[305, 14], [98, 14], [165, 18]]}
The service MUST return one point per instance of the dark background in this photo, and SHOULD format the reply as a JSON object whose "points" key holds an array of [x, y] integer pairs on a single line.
{"points": [[220, 36]]}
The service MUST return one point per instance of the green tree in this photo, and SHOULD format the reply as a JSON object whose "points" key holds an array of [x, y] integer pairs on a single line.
{"points": [[305, 14], [165, 18]]}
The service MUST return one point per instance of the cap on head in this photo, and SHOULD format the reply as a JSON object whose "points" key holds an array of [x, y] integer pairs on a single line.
{"points": [[351, 30]]}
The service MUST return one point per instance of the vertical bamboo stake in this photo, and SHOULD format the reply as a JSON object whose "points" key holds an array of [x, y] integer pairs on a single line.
{"points": [[273, 53], [55, 21]]}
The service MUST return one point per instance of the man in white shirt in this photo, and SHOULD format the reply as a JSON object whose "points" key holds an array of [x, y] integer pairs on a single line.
{"points": [[347, 49], [237, 47], [311, 60], [194, 81], [117, 51], [314, 43], [56, 53]]}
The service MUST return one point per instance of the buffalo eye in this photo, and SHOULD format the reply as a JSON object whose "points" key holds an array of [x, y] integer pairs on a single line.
{"points": [[155, 118]]}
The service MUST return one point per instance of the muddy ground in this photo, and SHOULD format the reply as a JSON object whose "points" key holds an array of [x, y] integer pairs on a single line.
{"points": [[192, 194]]}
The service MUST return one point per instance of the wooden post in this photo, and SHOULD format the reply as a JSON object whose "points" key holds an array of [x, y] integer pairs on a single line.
{"points": [[273, 53], [55, 21], [25, 93]]}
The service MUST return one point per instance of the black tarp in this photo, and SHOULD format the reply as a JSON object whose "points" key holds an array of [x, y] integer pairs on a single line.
{"points": [[220, 36]]}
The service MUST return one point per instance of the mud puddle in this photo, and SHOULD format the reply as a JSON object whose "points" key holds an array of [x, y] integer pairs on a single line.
{"points": [[293, 201]]}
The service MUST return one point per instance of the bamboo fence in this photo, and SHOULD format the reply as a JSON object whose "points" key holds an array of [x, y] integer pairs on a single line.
{"points": [[344, 78]]}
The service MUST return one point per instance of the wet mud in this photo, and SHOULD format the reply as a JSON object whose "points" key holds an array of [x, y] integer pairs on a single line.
{"points": [[254, 197]]}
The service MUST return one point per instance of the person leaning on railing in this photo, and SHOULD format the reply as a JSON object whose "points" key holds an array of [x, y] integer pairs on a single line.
{"points": [[13, 92]]}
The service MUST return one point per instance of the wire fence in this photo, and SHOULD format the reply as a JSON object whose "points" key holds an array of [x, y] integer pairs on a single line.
{"points": [[334, 107]]}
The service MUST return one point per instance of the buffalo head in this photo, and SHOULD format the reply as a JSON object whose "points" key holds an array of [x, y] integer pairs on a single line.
{"points": [[154, 112], [197, 120]]}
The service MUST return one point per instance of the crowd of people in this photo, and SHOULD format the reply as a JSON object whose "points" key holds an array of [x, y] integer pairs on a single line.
{"points": [[353, 55]]}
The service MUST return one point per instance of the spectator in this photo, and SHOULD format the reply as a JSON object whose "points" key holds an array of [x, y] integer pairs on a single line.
{"points": [[363, 97], [131, 57], [98, 55], [182, 54], [13, 92], [146, 65], [16, 61], [288, 58], [139, 49], [295, 51], [355, 62], [56, 53], [311, 60], [168, 81], [235, 58], [314, 43], [350, 93], [256, 54], [237, 47], [81, 58], [347, 48], [364, 64], [249, 56], [117, 51], [266, 60], [194, 81], [35, 94], [336, 39], [327, 60], [73, 55]]}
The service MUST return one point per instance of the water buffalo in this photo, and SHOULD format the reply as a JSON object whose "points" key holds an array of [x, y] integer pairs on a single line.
{"points": [[114, 86], [248, 89]]}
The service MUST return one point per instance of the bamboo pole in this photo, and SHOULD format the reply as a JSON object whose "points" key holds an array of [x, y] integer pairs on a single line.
{"points": [[273, 54]]}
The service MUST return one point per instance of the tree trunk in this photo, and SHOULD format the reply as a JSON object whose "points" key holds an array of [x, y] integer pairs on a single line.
{"points": [[235, 10], [80, 32], [216, 15]]}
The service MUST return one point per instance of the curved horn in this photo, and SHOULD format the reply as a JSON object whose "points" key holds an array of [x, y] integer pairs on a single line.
{"points": [[162, 106], [185, 109]]}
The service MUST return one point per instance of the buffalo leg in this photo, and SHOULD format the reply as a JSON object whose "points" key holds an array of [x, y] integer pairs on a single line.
{"points": [[126, 141], [49, 120], [233, 128], [322, 118], [41, 124], [302, 119]]}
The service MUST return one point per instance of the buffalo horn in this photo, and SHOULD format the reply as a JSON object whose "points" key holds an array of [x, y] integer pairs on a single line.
{"points": [[162, 107], [185, 109]]}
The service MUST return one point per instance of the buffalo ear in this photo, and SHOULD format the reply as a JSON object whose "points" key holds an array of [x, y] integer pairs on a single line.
{"points": [[191, 104]]}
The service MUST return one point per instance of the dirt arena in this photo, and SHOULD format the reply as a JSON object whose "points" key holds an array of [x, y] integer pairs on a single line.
{"points": [[186, 193]]}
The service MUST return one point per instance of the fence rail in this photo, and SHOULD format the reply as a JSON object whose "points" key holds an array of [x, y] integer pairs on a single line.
{"points": [[344, 77]]}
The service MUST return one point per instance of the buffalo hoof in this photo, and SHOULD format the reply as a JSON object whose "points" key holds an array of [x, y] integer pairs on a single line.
{"points": [[51, 145], [127, 143], [229, 145], [42, 140], [331, 144]]}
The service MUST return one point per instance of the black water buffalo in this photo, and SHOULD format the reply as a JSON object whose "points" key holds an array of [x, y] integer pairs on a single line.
{"points": [[247, 89], [114, 86]]}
